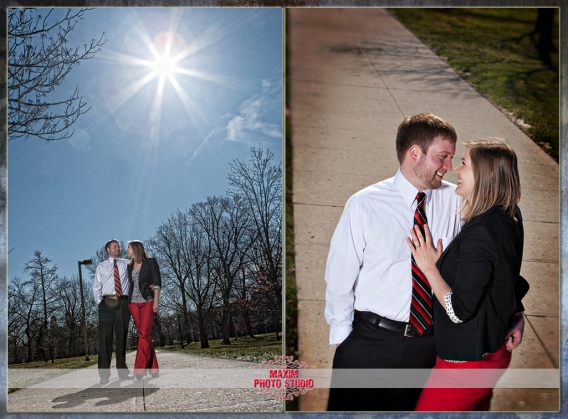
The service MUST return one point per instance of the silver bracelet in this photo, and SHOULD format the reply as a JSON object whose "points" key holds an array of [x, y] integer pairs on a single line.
{"points": [[450, 309]]}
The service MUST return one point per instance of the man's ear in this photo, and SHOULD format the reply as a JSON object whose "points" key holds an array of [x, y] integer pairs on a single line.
{"points": [[414, 152]]}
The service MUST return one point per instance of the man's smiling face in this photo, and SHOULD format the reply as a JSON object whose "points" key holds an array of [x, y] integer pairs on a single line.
{"points": [[433, 165], [114, 250]]}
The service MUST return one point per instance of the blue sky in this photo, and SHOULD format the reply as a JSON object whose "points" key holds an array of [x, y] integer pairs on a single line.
{"points": [[143, 151]]}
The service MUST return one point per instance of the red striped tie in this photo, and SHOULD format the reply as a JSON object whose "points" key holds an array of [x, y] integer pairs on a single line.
{"points": [[117, 286], [421, 303]]}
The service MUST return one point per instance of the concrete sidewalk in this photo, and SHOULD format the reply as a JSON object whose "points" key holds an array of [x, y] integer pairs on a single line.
{"points": [[355, 74], [187, 383]]}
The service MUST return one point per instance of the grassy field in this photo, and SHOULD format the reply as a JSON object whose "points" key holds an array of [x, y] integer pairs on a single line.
{"points": [[63, 363], [263, 348], [492, 49]]}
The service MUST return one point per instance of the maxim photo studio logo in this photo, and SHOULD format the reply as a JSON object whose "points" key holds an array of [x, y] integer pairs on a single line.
{"points": [[283, 381]]}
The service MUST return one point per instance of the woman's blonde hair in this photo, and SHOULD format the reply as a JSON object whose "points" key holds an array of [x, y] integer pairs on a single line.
{"points": [[138, 250], [496, 177]]}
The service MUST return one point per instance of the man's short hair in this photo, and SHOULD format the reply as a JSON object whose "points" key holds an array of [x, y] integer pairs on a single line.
{"points": [[421, 129], [107, 244]]}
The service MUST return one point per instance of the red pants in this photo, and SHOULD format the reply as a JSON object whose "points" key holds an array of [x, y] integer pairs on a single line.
{"points": [[143, 316], [449, 389]]}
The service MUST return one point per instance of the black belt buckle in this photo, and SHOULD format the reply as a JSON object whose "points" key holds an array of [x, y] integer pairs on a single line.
{"points": [[409, 331]]}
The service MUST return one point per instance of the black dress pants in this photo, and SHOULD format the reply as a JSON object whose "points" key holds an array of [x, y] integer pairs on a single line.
{"points": [[369, 346], [113, 318]]}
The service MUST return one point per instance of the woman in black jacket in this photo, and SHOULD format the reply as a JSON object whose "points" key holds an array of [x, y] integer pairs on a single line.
{"points": [[145, 283], [473, 281]]}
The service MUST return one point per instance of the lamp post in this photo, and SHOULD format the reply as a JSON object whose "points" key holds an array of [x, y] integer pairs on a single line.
{"points": [[84, 317]]}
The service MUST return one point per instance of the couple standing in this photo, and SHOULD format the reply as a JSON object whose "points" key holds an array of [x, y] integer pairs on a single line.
{"points": [[395, 300], [122, 288]]}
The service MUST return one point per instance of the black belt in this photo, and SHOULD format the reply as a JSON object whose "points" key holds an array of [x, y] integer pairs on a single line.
{"points": [[114, 297], [402, 328]]}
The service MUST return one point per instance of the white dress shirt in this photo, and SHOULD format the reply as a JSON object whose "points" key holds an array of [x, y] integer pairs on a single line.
{"points": [[104, 278], [368, 267]]}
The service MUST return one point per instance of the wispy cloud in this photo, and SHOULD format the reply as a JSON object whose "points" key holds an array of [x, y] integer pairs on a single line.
{"points": [[249, 126], [250, 119]]}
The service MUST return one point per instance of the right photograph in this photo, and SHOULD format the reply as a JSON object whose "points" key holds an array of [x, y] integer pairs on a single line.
{"points": [[423, 213]]}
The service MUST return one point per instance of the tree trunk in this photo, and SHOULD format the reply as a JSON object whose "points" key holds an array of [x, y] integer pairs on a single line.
{"points": [[45, 338], [186, 317], [190, 330], [16, 357], [232, 323], [71, 342], [543, 28], [30, 357], [248, 326], [202, 333], [225, 323], [180, 331], [275, 322]]}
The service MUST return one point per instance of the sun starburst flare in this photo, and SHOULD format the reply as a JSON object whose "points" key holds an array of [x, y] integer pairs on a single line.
{"points": [[168, 60]]}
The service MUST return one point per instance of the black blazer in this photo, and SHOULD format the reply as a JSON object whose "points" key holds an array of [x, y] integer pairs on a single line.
{"points": [[482, 266], [149, 274]]}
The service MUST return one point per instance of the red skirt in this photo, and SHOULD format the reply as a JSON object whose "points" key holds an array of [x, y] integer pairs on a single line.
{"points": [[452, 385]]}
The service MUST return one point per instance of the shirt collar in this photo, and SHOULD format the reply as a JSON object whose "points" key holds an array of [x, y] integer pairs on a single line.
{"points": [[407, 189]]}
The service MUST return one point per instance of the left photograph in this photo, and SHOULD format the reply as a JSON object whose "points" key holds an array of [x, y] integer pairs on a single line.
{"points": [[144, 209]]}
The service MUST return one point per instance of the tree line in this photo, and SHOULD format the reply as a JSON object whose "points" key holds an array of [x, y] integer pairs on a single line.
{"points": [[221, 266]]}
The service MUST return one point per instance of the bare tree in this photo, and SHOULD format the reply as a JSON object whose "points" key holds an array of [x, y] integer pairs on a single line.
{"points": [[170, 246], [186, 254], [16, 327], [22, 315], [265, 288], [227, 224], [70, 311], [245, 301], [260, 183], [202, 284], [39, 59], [44, 275]]}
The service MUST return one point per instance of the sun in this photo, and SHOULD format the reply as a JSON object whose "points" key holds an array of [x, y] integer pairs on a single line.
{"points": [[167, 48], [166, 59], [164, 66]]}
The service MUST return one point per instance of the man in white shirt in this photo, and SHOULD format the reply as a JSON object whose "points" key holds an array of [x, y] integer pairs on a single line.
{"points": [[111, 289], [368, 272]]}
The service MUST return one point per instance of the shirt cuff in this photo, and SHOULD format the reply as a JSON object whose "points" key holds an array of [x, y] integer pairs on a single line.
{"points": [[450, 309], [339, 333], [156, 287]]}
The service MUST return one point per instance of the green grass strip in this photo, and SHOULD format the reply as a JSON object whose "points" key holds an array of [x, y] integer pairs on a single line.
{"points": [[493, 50], [261, 348]]}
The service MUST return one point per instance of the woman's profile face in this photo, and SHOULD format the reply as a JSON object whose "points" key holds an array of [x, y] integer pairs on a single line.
{"points": [[466, 179]]}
